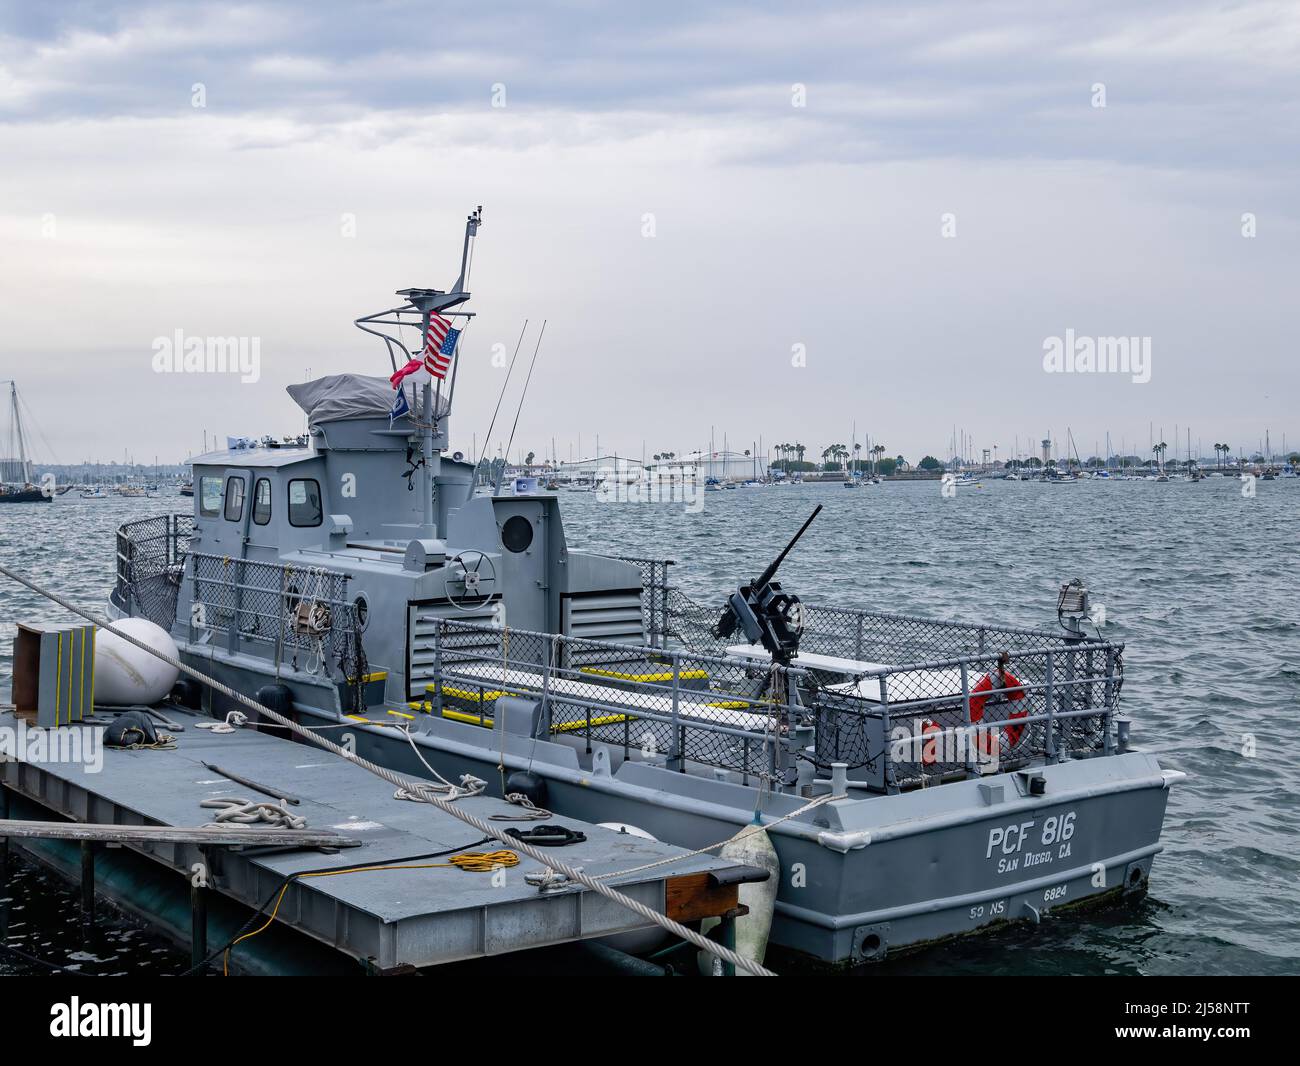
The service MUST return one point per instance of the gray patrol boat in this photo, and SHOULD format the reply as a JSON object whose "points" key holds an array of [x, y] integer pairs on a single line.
{"points": [[920, 778]]}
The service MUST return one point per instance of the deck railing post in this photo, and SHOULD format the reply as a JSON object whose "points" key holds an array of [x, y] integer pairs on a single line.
{"points": [[1108, 695], [196, 605], [663, 608], [132, 598], [1069, 700], [437, 674], [659, 605], [971, 757], [1051, 705], [891, 774], [235, 589], [546, 693], [675, 760]]}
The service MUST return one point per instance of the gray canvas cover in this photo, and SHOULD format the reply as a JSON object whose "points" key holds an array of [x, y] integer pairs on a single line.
{"points": [[338, 397]]}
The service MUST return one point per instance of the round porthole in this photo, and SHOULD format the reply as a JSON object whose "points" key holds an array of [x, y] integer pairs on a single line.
{"points": [[517, 533], [361, 610]]}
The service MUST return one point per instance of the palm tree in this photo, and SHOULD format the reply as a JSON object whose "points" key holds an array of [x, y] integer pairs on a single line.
{"points": [[1158, 450], [856, 449]]}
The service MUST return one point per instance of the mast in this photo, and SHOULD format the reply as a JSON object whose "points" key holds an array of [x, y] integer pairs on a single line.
{"points": [[18, 428], [426, 302]]}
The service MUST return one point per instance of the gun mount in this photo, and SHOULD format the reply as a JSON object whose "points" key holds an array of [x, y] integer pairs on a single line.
{"points": [[764, 612]]}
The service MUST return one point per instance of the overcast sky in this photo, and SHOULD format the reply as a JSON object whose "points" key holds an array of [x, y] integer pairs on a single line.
{"points": [[127, 213]]}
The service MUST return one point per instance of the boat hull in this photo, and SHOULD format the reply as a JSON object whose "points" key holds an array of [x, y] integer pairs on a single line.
{"points": [[861, 878]]}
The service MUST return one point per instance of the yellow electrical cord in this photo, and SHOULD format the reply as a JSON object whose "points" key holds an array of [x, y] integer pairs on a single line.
{"points": [[471, 861]]}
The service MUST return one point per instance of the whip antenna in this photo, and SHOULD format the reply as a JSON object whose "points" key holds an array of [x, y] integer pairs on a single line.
{"points": [[501, 395], [522, 395]]}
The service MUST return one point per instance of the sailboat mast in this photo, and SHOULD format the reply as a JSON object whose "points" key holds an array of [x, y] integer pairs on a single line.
{"points": [[18, 430]]}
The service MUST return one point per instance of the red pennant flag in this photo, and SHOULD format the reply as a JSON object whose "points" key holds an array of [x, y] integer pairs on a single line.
{"points": [[406, 371]]}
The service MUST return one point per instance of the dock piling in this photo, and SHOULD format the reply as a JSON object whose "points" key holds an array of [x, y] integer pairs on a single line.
{"points": [[4, 840], [88, 881], [198, 927]]}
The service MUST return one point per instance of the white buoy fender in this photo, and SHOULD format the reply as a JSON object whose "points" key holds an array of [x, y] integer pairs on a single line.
{"points": [[623, 827], [125, 674], [753, 929]]}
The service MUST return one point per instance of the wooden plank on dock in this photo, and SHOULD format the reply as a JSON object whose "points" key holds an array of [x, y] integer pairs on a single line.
{"points": [[175, 834]]}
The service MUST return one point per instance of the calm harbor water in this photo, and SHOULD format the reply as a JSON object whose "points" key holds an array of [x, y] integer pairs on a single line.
{"points": [[1198, 580]]}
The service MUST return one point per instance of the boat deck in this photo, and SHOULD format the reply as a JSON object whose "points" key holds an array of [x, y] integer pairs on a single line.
{"points": [[388, 918]]}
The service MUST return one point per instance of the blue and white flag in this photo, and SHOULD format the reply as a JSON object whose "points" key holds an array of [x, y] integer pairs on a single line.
{"points": [[400, 407]]}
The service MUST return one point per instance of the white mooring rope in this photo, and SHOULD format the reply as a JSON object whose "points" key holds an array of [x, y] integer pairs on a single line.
{"points": [[251, 812], [400, 781]]}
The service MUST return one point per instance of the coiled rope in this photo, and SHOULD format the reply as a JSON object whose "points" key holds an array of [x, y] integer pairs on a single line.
{"points": [[401, 781], [251, 812], [233, 721]]}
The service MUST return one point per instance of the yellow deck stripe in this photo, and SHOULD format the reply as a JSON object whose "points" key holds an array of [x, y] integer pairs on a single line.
{"points": [[685, 675], [58, 675], [471, 719], [608, 719], [488, 696], [82, 708], [564, 727]]}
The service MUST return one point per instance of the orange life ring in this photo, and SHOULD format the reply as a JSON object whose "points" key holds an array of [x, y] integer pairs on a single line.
{"points": [[928, 754], [1014, 692]]}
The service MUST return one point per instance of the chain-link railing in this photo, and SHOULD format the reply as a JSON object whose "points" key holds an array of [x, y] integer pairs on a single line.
{"points": [[655, 593], [301, 612], [675, 707], [150, 560], [943, 714], [872, 636], [969, 715]]}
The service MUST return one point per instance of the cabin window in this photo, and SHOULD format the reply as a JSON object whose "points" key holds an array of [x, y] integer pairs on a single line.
{"points": [[210, 496], [262, 501], [304, 502], [234, 499]]}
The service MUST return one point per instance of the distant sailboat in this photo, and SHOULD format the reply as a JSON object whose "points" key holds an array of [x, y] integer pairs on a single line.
{"points": [[16, 473]]}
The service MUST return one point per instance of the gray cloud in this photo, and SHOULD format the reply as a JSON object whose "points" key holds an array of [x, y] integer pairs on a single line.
{"points": [[775, 225]]}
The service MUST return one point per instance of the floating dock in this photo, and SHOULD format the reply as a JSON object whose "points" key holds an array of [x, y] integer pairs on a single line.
{"points": [[413, 913]]}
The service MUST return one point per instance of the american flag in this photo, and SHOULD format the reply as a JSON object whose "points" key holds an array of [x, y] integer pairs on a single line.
{"points": [[439, 346]]}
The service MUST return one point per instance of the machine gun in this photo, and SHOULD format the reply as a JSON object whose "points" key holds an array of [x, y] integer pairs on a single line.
{"points": [[765, 613]]}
